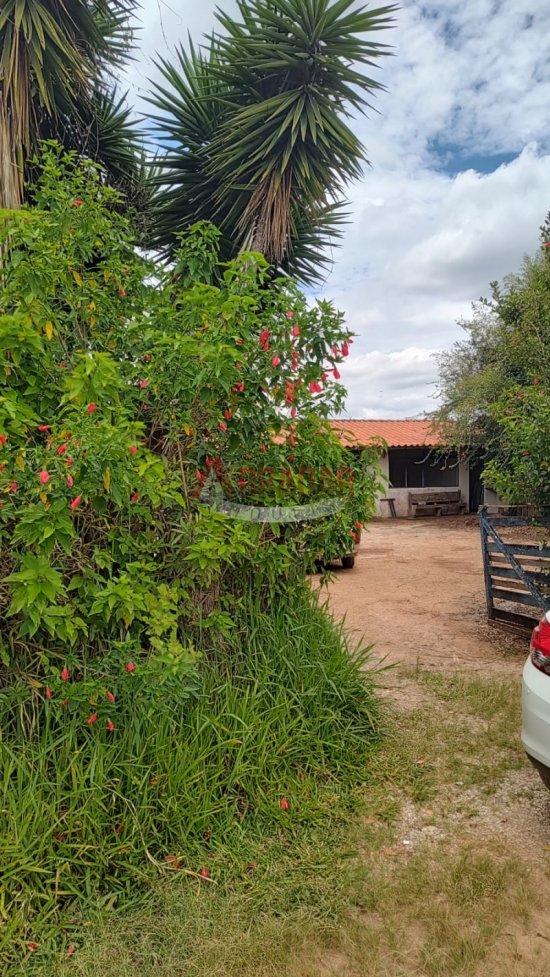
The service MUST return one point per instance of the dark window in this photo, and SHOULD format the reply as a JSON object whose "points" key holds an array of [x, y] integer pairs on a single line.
{"points": [[420, 468]]}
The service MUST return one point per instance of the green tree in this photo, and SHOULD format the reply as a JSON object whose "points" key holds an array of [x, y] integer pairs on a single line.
{"points": [[495, 385], [255, 128], [55, 81]]}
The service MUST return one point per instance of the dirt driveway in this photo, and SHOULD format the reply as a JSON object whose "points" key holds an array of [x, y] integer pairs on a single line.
{"points": [[417, 594]]}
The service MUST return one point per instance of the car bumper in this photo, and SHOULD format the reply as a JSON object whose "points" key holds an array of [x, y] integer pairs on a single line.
{"points": [[535, 734]]}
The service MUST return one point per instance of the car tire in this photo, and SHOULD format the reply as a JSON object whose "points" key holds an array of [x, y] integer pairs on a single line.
{"points": [[348, 563], [543, 771]]}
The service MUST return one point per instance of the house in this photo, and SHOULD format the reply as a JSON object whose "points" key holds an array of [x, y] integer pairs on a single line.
{"points": [[415, 462]]}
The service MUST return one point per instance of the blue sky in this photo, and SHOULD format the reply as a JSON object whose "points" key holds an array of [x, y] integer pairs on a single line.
{"points": [[459, 182]]}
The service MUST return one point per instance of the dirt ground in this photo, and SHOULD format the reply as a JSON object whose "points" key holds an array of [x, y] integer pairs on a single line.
{"points": [[417, 594]]}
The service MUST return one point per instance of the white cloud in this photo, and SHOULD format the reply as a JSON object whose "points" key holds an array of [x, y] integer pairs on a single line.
{"points": [[471, 77]]}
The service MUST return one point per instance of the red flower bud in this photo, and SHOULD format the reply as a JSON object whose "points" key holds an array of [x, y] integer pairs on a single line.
{"points": [[76, 502], [264, 336], [293, 412], [44, 477], [65, 674], [48, 693], [358, 525], [134, 497], [110, 725], [283, 804], [110, 696], [227, 414], [70, 950], [222, 426], [276, 360], [33, 946], [142, 384], [122, 293], [70, 481], [68, 459], [290, 315], [62, 449], [91, 408], [130, 667], [77, 203], [133, 449], [13, 487], [147, 357], [295, 330], [200, 476], [263, 449], [43, 427], [337, 373], [92, 719], [204, 873], [525, 453], [345, 350]]}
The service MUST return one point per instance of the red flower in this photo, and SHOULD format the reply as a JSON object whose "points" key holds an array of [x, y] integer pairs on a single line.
{"points": [[295, 330], [122, 293], [91, 408], [44, 477], [293, 412], [238, 342], [133, 449], [290, 315], [204, 873], [358, 525], [276, 360], [92, 719], [315, 388], [130, 667], [64, 702], [292, 440], [70, 481], [68, 459], [238, 388], [70, 950], [43, 427], [3, 440], [32, 946], [264, 336], [222, 426], [62, 449], [48, 693], [283, 804], [65, 674], [345, 349], [337, 374], [227, 414], [134, 497], [13, 487], [110, 696], [110, 725], [142, 384], [77, 203], [76, 502]]}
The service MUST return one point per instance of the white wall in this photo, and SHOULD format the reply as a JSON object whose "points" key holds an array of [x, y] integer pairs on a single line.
{"points": [[401, 495]]}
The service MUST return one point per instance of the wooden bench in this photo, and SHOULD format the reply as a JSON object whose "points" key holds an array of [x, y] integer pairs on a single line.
{"points": [[434, 502]]}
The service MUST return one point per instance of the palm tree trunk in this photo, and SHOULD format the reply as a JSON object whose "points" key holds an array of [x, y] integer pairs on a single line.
{"points": [[11, 175]]}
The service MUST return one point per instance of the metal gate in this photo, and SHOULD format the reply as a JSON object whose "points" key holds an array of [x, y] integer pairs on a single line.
{"points": [[517, 575]]}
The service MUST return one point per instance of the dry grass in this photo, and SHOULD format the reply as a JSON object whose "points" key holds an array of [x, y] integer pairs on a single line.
{"points": [[465, 897]]}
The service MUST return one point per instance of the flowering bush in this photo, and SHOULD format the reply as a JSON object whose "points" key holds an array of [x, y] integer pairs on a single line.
{"points": [[124, 386]]}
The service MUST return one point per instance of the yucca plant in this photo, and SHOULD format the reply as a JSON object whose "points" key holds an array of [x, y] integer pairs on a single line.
{"points": [[54, 57], [255, 128]]}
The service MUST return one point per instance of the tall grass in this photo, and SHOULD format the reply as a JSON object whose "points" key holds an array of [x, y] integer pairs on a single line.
{"points": [[88, 819]]}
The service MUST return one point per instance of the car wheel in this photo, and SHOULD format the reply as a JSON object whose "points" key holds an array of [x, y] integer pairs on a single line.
{"points": [[544, 772], [348, 563]]}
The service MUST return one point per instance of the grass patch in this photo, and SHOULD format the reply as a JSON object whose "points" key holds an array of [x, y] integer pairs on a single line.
{"points": [[286, 715], [340, 896]]}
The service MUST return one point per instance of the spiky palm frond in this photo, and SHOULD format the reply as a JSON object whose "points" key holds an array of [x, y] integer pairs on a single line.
{"points": [[50, 51], [277, 152]]}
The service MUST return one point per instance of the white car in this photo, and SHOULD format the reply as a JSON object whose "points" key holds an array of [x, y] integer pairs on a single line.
{"points": [[535, 734]]}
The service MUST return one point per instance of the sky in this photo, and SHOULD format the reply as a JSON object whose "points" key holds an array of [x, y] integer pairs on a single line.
{"points": [[458, 186]]}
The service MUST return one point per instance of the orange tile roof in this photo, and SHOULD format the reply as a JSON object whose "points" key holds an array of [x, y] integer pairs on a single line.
{"points": [[396, 434]]}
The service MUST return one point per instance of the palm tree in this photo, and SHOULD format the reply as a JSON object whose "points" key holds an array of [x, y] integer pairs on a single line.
{"points": [[55, 59], [255, 128]]}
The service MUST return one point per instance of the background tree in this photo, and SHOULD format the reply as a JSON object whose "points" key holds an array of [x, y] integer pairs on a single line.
{"points": [[495, 385], [255, 128], [56, 64]]}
